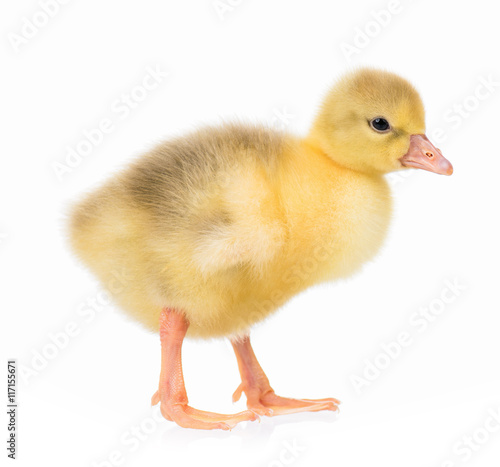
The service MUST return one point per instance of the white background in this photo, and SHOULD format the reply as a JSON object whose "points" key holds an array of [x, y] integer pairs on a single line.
{"points": [[255, 60]]}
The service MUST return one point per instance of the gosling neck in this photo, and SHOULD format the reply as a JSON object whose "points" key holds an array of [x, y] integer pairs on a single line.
{"points": [[315, 145]]}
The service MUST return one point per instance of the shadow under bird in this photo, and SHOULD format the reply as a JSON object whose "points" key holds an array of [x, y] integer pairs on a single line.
{"points": [[208, 229]]}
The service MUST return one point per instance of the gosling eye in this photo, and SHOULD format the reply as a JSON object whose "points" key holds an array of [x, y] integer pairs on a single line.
{"points": [[380, 124]]}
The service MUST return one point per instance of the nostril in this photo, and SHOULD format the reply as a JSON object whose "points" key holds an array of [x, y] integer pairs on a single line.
{"points": [[429, 155]]}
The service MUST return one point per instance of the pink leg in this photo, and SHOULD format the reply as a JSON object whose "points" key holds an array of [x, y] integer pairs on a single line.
{"points": [[260, 395], [172, 392]]}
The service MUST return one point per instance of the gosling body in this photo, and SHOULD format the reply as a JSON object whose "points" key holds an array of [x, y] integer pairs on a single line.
{"points": [[228, 224]]}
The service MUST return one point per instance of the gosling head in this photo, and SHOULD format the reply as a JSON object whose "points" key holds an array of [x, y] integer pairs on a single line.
{"points": [[374, 121]]}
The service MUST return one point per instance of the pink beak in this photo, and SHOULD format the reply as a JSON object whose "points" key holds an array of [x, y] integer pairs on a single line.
{"points": [[422, 154]]}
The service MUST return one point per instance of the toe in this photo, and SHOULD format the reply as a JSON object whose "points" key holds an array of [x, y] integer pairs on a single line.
{"points": [[264, 411], [237, 393], [189, 417], [327, 399], [156, 398], [246, 415], [292, 408], [185, 420], [285, 405]]}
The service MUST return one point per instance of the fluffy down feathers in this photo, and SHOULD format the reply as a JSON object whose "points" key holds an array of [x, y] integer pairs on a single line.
{"points": [[227, 224]]}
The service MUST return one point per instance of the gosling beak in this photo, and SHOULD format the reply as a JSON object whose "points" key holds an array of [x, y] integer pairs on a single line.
{"points": [[422, 154]]}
